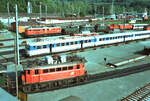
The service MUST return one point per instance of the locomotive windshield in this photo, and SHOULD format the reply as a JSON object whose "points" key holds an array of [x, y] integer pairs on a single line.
{"points": [[27, 47]]}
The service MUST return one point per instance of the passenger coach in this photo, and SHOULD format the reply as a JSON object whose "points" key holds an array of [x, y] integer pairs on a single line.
{"points": [[80, 42]]}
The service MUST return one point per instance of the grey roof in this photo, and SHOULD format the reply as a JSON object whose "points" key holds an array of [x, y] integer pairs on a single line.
{"points": [[5, 96], [71, 98], [29, 23]]}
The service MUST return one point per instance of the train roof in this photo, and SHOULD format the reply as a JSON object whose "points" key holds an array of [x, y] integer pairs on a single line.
{"points": [[140, 24], [48, 66], [45, 27], [42, 64], [59, 39]]}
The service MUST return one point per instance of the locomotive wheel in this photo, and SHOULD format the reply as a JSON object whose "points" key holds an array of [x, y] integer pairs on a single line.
{"points": [[43, 86], [64, 82], [55, 84], [34, 87], [26, 88]]}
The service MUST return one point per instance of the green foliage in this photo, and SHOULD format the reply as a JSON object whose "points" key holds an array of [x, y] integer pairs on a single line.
{"points": [[2, 26], [78, 7]]}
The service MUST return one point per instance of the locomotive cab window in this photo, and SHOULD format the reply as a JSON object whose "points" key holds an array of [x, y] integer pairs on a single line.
{"points": [[71, 43], [63, 44], [36, 72], [70, 68], [78, 66], [28, 72]]}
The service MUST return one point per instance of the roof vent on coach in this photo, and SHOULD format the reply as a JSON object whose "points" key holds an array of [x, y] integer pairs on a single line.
{"points": [[63, 58], [49, 59]]}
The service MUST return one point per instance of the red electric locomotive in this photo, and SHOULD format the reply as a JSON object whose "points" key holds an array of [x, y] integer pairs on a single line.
{"points": [[42, 31], [53, 72], [121, 27]]}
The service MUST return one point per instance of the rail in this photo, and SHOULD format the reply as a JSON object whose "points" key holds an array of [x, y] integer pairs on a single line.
{"points": [[142, 94]]}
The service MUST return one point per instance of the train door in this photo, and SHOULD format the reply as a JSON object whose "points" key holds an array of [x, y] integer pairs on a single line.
{"points": [[50, 47], [93, 41], [81, 44], [124, 38]]}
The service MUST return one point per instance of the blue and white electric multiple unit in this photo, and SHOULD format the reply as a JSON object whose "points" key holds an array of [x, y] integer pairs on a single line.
{"points": [[80, 42]]}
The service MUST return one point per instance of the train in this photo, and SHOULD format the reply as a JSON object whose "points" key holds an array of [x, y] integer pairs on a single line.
{"points": [[68, 43], [69, 30], [50, 72], [34, 31]]}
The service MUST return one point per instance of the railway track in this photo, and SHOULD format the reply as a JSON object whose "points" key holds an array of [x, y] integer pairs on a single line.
{"points": [[142, 94], [91, 79]]}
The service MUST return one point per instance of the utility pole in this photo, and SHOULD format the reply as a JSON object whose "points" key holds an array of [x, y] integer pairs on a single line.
{"points": [[63, 9], [103, 16], [46, 11], [95, 9], [17, 50], [40, 10], [8, 12]]}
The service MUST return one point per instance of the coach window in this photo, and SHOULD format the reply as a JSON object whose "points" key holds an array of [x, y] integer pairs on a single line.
{"points": [[70, 68], [44, 46], [64, 68], [67, 43], [78, 66], [76, 42], [38, 47], [86, 41], [71, 43], [36, 72], [58, 69], [52, 70], [58, 44], [45, 71]]}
